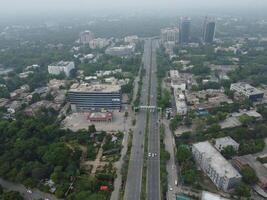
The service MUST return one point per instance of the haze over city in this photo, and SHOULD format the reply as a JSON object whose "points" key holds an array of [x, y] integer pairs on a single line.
{"points": [[133, 99], [28, 7]]}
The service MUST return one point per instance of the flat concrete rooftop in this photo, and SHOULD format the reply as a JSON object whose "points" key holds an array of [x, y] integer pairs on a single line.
{"points": [[85, 87]]}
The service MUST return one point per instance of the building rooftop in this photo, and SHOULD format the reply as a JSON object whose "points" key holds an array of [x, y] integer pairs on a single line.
{"points": [[99, 115], [211, 196], [220, 143], [246, 88], [216, 160], [85, 87], [225, 141], [174, 74], [251, 113], [119, 48], [61, 63]]}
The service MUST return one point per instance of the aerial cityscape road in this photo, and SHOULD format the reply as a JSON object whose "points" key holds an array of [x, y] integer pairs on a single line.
{"points": [[134, 177], [153, 169]]}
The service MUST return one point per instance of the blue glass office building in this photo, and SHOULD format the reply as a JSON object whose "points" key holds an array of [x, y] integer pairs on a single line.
{"points": [[184, 26]]}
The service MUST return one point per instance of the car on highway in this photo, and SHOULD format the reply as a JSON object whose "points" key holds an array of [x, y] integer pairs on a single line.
{"points": [[171, 189], [149, 154]]}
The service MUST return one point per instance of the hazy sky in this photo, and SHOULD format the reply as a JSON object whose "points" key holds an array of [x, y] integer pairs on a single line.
{"points": [[35, 6]]}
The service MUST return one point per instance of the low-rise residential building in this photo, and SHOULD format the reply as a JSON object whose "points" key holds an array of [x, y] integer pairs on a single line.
{"points": [[41, 90], [247, 91], [56, 84], [233, 120], [214, 165], [13, 106], [26, 74], [221, 143], [20, 93], [32, 67], [35, 107], [3, 102], [228, 49], [61, 67]]}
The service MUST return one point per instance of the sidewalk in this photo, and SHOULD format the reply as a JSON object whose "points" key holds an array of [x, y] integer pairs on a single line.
{"points": [[117, 183], [171, 166]]}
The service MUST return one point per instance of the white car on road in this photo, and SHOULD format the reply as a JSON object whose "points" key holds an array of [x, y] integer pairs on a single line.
{"points": [[29, 191]]}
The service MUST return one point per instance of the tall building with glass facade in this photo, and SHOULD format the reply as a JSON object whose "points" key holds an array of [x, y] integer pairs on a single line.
{"points": [[184, 30], [208, 30]]}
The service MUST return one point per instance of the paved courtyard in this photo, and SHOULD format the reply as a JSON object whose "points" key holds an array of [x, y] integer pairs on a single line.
{"points": [[76, 121]]}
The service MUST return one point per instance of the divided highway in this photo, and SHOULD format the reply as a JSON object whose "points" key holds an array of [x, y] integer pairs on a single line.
{"points": [[153, 169], [134, 177]]}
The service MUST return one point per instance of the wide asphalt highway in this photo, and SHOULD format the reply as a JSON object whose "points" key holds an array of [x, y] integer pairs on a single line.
{"points": [[153, 169], [134, 177]]}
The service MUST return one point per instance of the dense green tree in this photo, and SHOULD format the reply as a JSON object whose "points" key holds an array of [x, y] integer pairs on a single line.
{"points": [[175, 122], [228, 152], [189, 176], [11, 196], [92, 129], [35, 98], [243, 190], [183, 153], [4, 93], [246, 120], [249, 175]]}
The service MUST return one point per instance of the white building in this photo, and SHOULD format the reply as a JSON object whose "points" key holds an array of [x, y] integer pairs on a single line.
{"points": [[214, 165], [121, 50], [131, 39], [86, 37], [169, 35], [176, 81], [99, 43], [61, 67], [221, 143], [180, 102]]}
